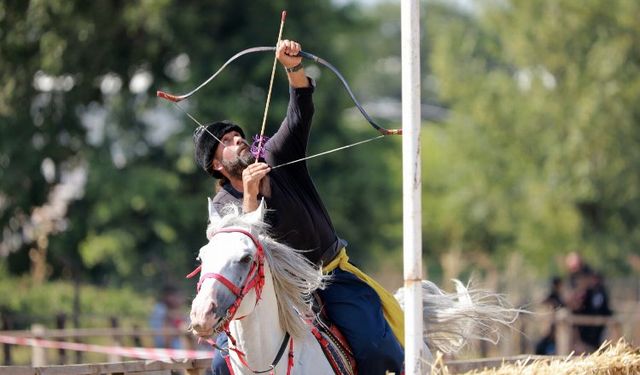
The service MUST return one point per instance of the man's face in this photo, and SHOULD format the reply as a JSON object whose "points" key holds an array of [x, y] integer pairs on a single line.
{"points": [[233, 154]]}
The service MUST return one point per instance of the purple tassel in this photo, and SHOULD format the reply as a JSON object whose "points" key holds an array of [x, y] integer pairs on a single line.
{"points": [[257, 139]]}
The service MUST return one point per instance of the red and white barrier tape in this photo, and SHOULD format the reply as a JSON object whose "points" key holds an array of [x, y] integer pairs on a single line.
{"points": [[133, 352]]}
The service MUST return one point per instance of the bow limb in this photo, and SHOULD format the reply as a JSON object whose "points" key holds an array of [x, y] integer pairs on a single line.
{"points": [[346, 86], [306, 55], [179, 98]]}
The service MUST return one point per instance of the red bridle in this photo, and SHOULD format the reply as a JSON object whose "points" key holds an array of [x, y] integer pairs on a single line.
{"points": [[255, 280], [255, 277]]}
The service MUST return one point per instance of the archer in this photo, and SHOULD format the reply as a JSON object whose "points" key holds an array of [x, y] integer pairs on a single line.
{"points": [[299, 218]]}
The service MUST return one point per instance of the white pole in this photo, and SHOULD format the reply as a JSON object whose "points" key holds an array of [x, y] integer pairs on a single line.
{"points": [[412, 184]]}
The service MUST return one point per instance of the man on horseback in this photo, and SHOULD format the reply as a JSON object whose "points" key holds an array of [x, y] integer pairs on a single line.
{"points": [[298, 217]]}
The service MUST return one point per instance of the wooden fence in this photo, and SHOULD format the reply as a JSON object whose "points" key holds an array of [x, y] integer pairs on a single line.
{"points": [[200, 366], [566, 332], [565, 337], [114, 338], [190, 367]]}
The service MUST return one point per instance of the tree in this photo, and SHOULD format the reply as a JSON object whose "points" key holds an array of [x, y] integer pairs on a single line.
{"points": [[541, 154], [80, 117]]}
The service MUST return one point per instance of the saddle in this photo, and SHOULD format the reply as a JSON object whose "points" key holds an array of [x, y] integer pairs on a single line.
{"points": [[331, 340]]}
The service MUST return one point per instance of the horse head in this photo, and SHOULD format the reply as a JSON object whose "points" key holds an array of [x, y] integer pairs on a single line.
{"points": [[231, 271], [238, 260]]}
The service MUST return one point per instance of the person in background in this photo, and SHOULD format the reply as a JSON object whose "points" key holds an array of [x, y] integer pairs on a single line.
{"points": [[554, 301], [577, 268], [587, 296], [595, 302], [578, 274], [168, 313]]}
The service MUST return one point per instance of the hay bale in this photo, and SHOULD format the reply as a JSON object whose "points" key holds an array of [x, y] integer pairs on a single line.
{"points": [[610, 359]]}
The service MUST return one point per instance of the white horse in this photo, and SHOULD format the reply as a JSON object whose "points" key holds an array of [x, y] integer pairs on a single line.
{"points": [[257, 290]]}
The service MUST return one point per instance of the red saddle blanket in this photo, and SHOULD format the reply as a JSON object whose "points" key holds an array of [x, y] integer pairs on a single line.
{"points": [[334, 345]]}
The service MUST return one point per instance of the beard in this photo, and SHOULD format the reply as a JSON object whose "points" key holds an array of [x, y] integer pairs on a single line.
{"points": [[236, 166]]}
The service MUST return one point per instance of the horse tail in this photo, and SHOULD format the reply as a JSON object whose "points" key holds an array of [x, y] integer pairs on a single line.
{"points": [[452, 319]]}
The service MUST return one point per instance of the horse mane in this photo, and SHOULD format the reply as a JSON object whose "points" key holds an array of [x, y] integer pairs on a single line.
{"points": [[294, 276]]}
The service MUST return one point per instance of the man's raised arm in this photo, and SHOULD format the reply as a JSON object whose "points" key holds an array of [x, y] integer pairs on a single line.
{"points": [[287, 53]]}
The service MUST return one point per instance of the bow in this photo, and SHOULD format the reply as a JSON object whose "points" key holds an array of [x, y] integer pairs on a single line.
{"points": [[306, 55]]}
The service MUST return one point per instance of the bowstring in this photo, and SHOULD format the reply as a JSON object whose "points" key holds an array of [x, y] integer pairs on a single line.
{"points": [[330, 151], [199, 124], [292, 161]]}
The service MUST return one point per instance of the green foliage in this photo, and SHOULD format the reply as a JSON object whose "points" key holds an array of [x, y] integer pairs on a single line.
{"points": [[539, 154], [115, 244], [74, 95], [28, 302], [542, 148]]}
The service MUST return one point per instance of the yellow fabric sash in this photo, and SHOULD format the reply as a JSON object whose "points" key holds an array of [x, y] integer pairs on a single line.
{"points": [[390, 306]]}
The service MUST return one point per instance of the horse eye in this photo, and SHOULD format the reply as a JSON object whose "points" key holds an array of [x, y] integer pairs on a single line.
{"points": [[246, 259]]}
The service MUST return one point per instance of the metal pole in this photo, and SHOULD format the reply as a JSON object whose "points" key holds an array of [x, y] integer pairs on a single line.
{"points": [[412, 184]]}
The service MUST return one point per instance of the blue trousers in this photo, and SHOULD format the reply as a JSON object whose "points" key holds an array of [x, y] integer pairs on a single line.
{"points": [[218, 364], [355, 308]]}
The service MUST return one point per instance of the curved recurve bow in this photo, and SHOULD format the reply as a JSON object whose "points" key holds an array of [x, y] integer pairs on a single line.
{"points": [[304, 54]]}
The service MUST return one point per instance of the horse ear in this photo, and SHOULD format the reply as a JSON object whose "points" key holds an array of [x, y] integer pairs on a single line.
{"points": [[262, 208], [257, 216]]}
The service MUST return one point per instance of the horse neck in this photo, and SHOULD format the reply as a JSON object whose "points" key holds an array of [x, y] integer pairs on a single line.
{"points": [[260, 334]]}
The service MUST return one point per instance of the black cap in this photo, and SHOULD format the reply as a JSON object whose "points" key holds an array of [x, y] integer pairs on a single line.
{"points": [[205, 144]]}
